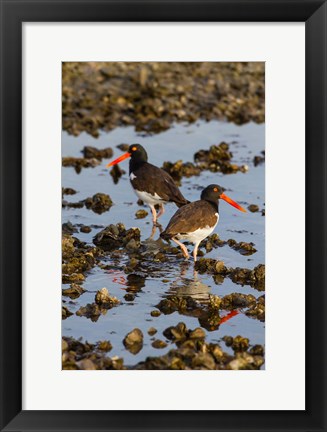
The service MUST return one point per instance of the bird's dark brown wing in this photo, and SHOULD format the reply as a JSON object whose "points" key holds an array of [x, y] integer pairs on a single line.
{"points": [[157, 181], [195, 215]]}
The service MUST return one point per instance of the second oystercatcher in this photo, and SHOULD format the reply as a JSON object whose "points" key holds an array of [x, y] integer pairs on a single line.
{"points": [[196, 220], [150, 183]]}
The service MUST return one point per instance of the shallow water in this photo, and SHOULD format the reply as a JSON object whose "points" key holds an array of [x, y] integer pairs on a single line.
{"points": [[175, 276]]}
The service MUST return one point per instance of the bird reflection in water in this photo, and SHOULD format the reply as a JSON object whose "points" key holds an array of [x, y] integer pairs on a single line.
{"points": [[133, 282], [117, 276], [192, 287], [192, 297], [188, 296]]}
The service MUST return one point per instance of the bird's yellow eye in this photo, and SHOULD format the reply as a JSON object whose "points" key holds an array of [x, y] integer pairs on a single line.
{"points": [[134, 148], [215, 189]]}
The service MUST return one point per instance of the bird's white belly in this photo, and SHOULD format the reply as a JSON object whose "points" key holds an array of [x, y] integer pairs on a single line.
{"points": [[148, 198], [198, 235]]}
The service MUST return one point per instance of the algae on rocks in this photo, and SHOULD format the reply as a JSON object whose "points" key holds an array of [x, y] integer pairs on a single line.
{"points": [[116, 236], [77, 355], [134, 341], [99, 203], [77, 258], [103, 299], [192, 352], [154, 95]]}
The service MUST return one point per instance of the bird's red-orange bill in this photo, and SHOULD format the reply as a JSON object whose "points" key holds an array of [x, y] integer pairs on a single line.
{"points": [[116, 161], [231, 202]]}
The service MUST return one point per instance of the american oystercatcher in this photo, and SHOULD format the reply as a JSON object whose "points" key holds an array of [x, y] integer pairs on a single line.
{"points": [[196, 220], [150, 183]]}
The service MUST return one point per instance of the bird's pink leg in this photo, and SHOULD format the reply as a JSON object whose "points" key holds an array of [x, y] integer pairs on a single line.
{"points": [[161, 211], [195, 251], [154, 214], [183, 247], [154, 229]]}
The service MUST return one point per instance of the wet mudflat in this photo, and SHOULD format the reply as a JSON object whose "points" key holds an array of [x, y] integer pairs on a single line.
{"points": [[150, 286]]}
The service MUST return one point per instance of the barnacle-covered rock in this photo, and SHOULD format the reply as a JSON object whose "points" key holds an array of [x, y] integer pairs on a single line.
{"points": [[116, 236]]}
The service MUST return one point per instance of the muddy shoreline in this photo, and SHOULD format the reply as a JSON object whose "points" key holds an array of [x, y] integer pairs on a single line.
{"points": [[153, 96]]}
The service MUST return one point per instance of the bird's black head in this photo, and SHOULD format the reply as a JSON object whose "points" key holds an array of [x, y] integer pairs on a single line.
{"points": [[138, 153], [213, 193]]}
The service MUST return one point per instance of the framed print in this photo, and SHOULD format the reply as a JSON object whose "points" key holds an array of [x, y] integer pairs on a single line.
{"points": [[163, 215]]}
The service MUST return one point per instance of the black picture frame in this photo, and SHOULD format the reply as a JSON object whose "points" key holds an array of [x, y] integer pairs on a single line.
{"points": [[13, 14]]}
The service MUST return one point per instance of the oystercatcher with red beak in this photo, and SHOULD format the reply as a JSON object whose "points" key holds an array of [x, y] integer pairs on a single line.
{"points": [[150, 183], [196, 220]]}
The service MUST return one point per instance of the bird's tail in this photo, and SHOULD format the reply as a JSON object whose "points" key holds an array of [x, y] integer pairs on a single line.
{"points": [[182, 203]]}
